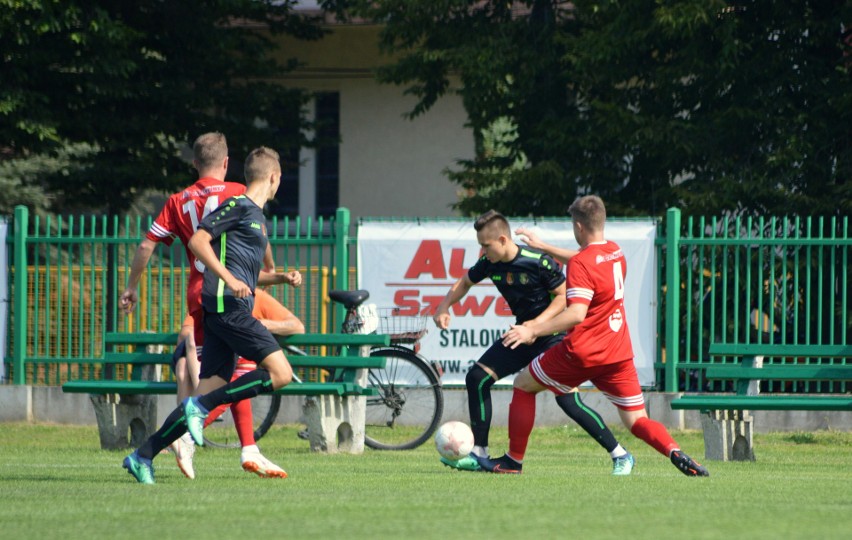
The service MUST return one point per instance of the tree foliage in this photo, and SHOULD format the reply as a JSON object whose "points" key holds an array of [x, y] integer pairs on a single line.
{"points": [[708, 105], [136, 81]]}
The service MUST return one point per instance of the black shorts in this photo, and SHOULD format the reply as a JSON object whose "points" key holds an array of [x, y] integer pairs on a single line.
{"points": [[504, 361], [230, 335], [180, 352]]}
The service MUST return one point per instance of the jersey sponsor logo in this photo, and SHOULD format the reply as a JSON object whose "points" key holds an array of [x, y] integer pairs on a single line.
{"points": [[609, 257], [206, 192], [616, 321], [496, 278], [256, 225]]}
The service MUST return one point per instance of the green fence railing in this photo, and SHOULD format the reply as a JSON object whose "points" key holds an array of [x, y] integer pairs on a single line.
{"points": [[739, 280], [66, 298], [753, 280]]}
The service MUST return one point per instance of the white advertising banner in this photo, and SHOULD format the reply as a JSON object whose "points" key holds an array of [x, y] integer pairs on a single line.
{"points": [[411, 265]]}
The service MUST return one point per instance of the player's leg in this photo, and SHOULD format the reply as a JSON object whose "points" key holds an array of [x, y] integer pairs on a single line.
{"points": [[620, 384], [186, 367], [521, 422], [241, 333], [592, 423]]}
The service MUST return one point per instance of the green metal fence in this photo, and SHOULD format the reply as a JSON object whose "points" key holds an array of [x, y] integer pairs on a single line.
{"points": [[740, 280], [772, 280], [76, 269]]}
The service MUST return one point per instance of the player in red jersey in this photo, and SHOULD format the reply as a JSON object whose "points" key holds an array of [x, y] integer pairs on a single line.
{"points": [[179, 218], [596, 348]]}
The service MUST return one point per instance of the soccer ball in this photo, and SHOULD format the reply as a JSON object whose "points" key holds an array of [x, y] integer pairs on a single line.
{"points": [[454, 440]]}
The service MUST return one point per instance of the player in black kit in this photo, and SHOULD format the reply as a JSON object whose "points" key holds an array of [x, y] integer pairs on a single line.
{"points": [[533, 285], [231, 242]]}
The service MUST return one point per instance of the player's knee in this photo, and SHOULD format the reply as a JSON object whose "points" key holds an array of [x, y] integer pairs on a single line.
{"points": [[475, 376], [525, 382], [571, 404]]}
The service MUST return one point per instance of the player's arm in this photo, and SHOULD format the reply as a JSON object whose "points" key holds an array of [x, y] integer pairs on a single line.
{"points": [[456, 293], [130, 296], [530, 238], [292, 278], [557, 306], [568, 319], [200, 246]]}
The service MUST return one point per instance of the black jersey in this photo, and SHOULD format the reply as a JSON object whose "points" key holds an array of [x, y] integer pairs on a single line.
{"points": [[238, 228], [525, 282]]}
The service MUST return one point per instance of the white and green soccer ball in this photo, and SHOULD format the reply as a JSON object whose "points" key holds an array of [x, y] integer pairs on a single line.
{"points": [[454, 440]]}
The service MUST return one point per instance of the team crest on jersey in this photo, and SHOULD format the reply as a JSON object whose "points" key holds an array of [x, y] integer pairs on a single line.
{"points": [[524, 279], [616, 320], [510, 279]]}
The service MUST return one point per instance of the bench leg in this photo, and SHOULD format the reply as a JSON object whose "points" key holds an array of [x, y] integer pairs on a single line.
{"points": [[728, 436], [335, 424], [124, 421]]}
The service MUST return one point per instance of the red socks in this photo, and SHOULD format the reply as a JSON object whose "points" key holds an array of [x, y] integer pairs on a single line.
{"points": [[655, 434], [521, 422]]}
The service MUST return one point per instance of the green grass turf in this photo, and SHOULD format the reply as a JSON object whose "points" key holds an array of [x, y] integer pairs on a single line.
{"points": [[55, 482]]}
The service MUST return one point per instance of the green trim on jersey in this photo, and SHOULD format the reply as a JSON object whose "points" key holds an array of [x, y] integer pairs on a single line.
{"points": [[220, 289], [530, 254]]}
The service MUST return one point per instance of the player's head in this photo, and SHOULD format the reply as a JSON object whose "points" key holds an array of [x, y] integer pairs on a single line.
{"points": [[263, 165], [588, 215], [495, 236], [210, 154]]}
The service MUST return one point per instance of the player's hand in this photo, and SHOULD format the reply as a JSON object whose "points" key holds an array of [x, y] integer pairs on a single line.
{"points": [[293, 277], [442, 320], [239, 289], [529, 238], [128, 300], [518, 334]]}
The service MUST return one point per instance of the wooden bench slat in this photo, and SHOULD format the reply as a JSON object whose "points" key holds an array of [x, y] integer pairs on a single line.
{"points": [[785, 372], [166, 387], [354, 340], [140, 338], [764, 402], [310, 361], [779, 350]]}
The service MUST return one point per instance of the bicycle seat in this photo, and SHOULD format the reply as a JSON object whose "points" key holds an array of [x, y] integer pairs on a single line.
{"points": [[349, 299]]}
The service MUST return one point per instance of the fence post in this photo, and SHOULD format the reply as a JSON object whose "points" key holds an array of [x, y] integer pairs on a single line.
{"points": [[341, 257], [19, 323], [672, 298]]}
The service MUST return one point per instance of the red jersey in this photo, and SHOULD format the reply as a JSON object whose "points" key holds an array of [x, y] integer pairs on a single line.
{"points": [[179, 218], [596, 278]]}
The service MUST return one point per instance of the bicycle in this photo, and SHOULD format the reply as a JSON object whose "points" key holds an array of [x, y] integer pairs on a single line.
{"points": [[409, 400]]}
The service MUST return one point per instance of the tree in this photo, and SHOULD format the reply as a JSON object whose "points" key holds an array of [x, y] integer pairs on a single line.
{"points": [[136, 81], [711, 106]]}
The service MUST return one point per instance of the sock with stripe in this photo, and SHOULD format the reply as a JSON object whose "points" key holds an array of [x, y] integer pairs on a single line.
{"points": [[169, 432], [655, 434], [521, 422], [479, 383], [246, 386], [588, 419]]}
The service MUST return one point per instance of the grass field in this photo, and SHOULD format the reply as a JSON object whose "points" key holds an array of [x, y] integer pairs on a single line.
{"points": [[55, 482]]}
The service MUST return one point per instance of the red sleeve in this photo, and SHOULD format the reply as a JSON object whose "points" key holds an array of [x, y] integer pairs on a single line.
{"points": [[165, 227]]}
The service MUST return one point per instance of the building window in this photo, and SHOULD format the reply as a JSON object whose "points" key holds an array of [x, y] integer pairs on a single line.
{"points": [[327, 153], [310, 177]]}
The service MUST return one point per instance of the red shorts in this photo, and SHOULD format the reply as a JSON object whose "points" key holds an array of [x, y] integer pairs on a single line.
{"points": [[618, 381]]}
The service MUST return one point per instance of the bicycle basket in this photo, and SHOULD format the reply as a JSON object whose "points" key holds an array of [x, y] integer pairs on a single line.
{"points": [[401, 328]]}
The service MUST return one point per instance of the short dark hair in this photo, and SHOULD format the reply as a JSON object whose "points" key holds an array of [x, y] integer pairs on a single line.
{"points": [[493, 218], [209, 150], [589, 211], [261, 163]]}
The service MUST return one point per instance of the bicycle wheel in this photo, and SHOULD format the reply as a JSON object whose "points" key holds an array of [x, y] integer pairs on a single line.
{"points": [[223, 434], [409, 404]]}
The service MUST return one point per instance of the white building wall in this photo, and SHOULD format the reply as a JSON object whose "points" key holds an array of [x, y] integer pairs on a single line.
{"points": [[393, 166]]}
